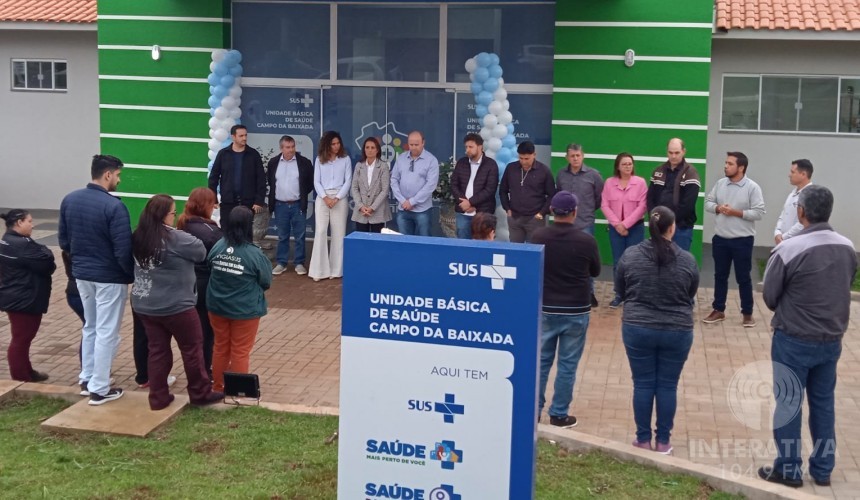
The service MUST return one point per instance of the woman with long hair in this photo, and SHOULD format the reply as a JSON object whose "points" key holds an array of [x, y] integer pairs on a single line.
{"points": [[370, 183], [623, 203], [484, 226], [164, 295], [332, 182], [236, 298], [657, 281], [25, 290], [196, 220]]}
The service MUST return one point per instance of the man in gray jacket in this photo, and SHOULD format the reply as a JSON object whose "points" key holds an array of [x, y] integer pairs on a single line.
{"points": [[807, 284]]}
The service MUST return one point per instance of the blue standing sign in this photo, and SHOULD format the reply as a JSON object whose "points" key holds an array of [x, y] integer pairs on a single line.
{"points": [[439, 353]]}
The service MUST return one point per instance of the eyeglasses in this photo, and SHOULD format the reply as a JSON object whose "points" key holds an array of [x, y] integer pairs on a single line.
{"points": [[172, 213], [411, 165]]}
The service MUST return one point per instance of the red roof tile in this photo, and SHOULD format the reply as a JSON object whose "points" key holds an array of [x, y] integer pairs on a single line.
{"points": [[812, 15], [57, 11]]}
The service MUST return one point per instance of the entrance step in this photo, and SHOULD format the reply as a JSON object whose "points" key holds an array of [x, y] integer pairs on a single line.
{"points": [[7, 388], [127, 416]]}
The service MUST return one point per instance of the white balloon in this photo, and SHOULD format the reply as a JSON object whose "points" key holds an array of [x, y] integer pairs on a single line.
{"points": [[500, 94], [212, 133], [228, 123], [212, 67], [500, 131], [221, 135], [218, 55], [490, 120], [471, 64], [237, 81], [471, 77], [214, 122], [235, 92], [212, 155], [494, 144], [221, 113], [506, 104], [228, 102], [236, 113], [215, 144], [486, 133], [491, 154], [506, 117], [495, 107], [501, 82]]}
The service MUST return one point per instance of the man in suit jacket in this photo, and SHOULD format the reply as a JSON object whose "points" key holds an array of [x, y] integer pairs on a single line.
{"points": [[238, 170], [291, 178], [473, 184]]}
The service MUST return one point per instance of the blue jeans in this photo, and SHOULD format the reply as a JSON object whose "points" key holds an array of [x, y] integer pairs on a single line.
{"points": [[726, 251], [683, 237], [290, 221], [568, 334], [464, 226], [656, 359], [414, 223], [104, 304], [814, 364], [619, 244]]}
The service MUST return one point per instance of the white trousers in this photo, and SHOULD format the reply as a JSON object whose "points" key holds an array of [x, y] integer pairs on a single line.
{"points": [[325, 262]]}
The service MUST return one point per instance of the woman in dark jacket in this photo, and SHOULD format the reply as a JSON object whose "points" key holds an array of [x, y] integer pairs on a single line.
{"points": [[25, 289], [196, 220]]}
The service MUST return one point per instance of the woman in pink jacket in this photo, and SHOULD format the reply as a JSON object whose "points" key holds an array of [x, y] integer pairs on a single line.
{"points": [[623, 203]]}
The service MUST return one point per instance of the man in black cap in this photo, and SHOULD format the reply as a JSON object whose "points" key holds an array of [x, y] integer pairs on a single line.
{"points": [[571, 259]]}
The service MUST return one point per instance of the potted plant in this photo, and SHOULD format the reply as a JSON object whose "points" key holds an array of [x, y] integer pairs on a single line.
{"points": [[445, 200]]}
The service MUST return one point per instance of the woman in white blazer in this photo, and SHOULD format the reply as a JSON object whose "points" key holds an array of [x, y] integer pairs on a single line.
{"points": [[370, 183]]}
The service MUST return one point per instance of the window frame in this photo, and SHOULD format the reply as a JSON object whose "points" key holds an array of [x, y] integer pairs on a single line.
{"points": [[25, 62], [800, 77]]}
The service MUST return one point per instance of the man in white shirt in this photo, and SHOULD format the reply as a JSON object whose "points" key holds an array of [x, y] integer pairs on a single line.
{"points": [[787, 225], [473, 184]]}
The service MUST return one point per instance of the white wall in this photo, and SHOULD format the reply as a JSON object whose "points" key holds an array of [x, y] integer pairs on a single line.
{"points": [[836, 158], [47, 139]]}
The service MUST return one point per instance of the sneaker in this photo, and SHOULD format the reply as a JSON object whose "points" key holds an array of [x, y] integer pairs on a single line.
{"points": [[86, 392], [664, 448], [645, 445], [769, 474], [170, 381], [564, 422], [594, 302], [714, 317], [38, 376], [114, 393], [300, 270], [749, 322], [279, 269], [616, 303]]}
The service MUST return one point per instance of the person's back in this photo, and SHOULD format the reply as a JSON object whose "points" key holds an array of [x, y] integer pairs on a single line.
{"points": [[239, 278], [571, 258]]}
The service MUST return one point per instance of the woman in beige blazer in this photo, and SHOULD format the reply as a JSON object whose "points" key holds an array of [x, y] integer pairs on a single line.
{"points": [[370, 183]]}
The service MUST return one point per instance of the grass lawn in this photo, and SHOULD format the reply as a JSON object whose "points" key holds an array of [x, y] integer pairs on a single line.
{"points": [[253, 453]]}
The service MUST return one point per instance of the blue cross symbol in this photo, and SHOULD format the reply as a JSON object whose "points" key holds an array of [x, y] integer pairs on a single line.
{"points": [[448, 408]]}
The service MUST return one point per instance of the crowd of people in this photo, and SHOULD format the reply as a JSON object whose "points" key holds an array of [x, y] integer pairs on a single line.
{"points": [[203, 284]]}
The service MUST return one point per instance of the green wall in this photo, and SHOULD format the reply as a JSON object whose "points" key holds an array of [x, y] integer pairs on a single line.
{"points": [[638, 109], [143, 101]]}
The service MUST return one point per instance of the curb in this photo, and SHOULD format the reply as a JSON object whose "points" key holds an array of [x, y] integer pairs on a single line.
{"points": [[752, 488]]}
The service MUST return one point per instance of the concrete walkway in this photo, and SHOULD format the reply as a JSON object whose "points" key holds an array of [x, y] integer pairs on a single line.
{"points": [[724, 398]]}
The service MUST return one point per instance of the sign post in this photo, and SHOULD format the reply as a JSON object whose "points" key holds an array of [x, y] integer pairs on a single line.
{"points": [[439, 352]]}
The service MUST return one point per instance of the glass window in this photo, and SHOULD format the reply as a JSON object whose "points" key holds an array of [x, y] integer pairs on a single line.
{"points": [[39, 75], [19, 75], [778, 103], [60, 79], [819, 98], [279, 40], [740, 103], [381, 42], [849, 102], [525, 48]]}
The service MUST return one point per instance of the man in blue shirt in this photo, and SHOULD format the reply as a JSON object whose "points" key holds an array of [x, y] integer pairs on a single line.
{"points": [[413, 179]]}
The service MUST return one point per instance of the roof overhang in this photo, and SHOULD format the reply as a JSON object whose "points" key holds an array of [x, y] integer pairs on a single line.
{"points": [[46, 26]]}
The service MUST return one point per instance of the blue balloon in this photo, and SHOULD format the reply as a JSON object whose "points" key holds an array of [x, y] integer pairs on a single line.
{"points": [[481, 110], [238, 121], [494, 59], [509, 141], [477, 87], [491, 84], [484, 98], [238, 56], [214, 79], [212, 90], [503, 157], [483, 59], [214, 101], [510, 128], [211, 111], [495, 71], [211, 162], [226, 143], [481, 75], [227, 81], [236, 70], [222, 69]]}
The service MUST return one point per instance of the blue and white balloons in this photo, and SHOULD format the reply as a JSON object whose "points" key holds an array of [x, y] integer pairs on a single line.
{"points": [[225, 98], [492, 107]]}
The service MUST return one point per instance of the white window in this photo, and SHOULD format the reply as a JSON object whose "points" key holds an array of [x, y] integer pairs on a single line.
{"points": [[39, 74], [790, 103]]}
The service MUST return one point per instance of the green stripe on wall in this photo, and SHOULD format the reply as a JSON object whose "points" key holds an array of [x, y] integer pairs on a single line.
{"points": [[142, 152], [164, 33], [631, 108], [169, 182], [672, 42], [685, 11], [645, 75], [160, 123], [171, 94], [140, 63], [645, 142], [177, 8]]}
